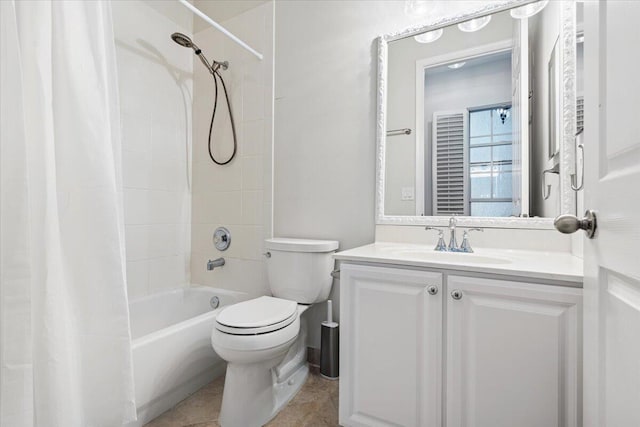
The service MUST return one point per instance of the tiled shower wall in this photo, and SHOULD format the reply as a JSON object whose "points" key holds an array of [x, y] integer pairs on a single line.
{"points": [[155, 78], [238, 195]]}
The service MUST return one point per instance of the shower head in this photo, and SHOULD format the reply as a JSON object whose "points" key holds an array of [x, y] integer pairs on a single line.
{"points": [[185, 41]]}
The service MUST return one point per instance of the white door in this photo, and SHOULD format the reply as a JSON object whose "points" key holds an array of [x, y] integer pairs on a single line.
{"points": [[612, 189], [390, 355], [513, 352]]}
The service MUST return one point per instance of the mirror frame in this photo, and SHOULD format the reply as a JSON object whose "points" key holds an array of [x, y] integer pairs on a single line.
{"points": [[567, 153]]}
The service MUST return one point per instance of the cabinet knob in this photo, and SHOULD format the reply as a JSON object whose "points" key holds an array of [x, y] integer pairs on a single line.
{"points": [[456, 294], [433, 289]]}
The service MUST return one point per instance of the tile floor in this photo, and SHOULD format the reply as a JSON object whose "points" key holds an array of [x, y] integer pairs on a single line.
{"points": [[316, 405]]}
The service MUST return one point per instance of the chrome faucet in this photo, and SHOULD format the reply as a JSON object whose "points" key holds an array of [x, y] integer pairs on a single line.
{"points": [[465, 246], [215, 263], [440, 246], [453, 243]]}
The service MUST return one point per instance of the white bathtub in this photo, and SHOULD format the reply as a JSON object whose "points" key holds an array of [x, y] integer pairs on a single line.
{"points": [[172, 353]]}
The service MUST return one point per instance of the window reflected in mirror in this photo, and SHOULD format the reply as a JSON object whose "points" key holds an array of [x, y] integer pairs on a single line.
{"points": [[490, 161]]}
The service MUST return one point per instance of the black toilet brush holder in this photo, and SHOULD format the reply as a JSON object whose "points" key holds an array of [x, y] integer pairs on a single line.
{"points": [[329, 346]]}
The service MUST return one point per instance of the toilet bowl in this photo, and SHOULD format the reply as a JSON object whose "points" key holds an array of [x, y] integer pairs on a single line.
{"points": [[263, 340]]}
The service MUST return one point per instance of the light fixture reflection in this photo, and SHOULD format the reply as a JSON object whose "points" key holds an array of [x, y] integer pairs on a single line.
{"points": [[528, 10], [504, 113], [456, 65], [429, 36], [416, 7], [474, 24]]}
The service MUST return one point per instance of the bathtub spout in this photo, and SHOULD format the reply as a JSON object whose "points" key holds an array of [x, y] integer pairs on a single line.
{"points": [[215, 263]]}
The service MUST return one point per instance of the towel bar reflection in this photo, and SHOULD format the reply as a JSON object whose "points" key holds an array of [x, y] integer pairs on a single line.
{"points": [[396, 132], [574, 176], [546, 189]]}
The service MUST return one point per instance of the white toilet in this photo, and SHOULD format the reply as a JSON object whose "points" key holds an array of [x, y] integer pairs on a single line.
{"points": [[263, 340]]}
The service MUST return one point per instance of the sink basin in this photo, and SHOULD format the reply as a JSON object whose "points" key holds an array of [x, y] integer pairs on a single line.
{"points": [[454, 257]]}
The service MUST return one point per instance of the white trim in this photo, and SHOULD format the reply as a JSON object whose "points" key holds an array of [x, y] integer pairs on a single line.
{"points": [[525, 134], [421, 65], [471, 53], [220, 28], [536, 223], [568, 34], [568, 106], [522, 139], [419, 141]]}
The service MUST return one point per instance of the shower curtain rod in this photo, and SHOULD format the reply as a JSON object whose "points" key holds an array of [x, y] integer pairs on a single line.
{"points": [[219, 27]]}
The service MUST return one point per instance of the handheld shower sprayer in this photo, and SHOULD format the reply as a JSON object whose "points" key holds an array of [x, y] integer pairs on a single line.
{"points": [[185, 41], [214, 68]]}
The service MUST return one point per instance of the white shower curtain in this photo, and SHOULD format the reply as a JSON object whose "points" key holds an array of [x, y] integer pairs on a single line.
{"points": [[65, 341]]}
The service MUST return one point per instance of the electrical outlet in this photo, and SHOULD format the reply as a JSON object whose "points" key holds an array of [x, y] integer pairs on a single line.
{"points": [[408, 193]]}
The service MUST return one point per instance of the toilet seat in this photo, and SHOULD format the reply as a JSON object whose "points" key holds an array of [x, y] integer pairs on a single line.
{"points": [[258, 316]]}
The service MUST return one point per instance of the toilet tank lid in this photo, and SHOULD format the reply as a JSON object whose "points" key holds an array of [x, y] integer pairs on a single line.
{"points": [[301, 245]]}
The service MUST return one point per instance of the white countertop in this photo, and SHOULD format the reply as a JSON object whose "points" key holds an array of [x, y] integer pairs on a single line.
{"points": [[556, 266]]}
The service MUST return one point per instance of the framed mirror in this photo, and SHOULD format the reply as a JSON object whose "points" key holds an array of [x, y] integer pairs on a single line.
{"points": [[477, 118]]}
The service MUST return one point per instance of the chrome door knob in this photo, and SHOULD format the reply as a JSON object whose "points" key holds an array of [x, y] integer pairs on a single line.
{"points": [[568, 224], [457, 294], [432, 290]]}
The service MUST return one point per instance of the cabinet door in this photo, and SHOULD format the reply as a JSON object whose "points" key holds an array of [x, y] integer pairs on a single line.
{"points": [[390, 347], [513, 354]]}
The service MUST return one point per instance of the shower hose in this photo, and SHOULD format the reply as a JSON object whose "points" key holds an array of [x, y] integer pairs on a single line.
{"points": [[217, 76]]}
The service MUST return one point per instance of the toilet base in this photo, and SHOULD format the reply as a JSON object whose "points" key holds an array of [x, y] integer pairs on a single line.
{"points": [[252, 396], [254, 393], [285, 391]]}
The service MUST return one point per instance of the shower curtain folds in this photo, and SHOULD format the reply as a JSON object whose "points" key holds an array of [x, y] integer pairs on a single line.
{"points": [[65, 340]]}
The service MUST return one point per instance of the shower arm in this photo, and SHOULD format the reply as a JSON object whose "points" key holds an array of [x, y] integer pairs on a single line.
{"points": [[211, 67]]}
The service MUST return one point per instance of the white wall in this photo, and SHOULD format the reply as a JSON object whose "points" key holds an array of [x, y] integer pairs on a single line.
{"points": [[471, 86], [544, 30], [238, 195], [155, 96], [324, 147]]}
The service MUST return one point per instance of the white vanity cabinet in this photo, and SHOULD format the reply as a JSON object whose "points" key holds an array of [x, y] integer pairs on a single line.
{"points": [[513, 354], [472, 352], [390, 341]]}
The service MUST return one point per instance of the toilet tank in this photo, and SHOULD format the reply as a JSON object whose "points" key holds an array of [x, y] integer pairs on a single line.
{"points": [[300, 269]]}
